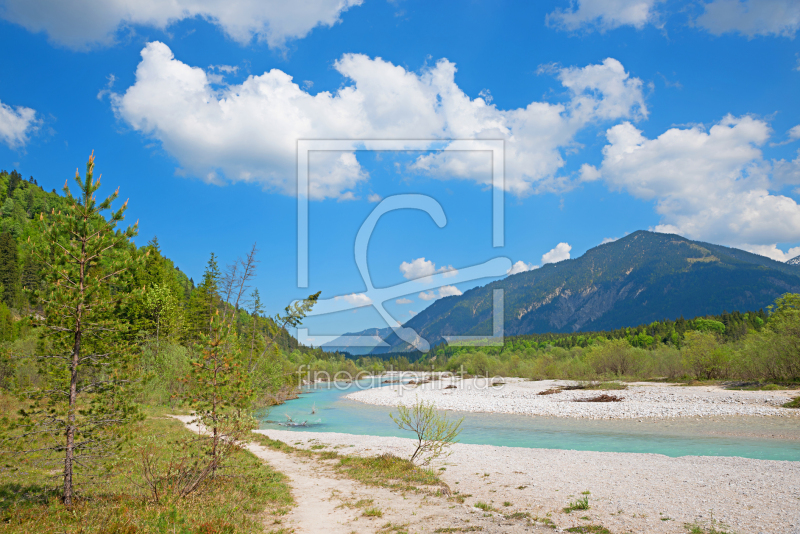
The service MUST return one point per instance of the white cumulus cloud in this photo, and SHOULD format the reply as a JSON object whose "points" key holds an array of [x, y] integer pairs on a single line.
{"points": [[794, 133], [444, 291], [751, 17], [604, 14], [712, 185], [248, 131], [557, 254], [16, 125], [403, 301], [773, 252], [357, 299], [421, 270], [521, 267], [91, 23]]}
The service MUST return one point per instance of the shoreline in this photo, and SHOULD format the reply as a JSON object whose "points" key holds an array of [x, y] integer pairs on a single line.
{"points": [[639, 492], [638, 401]]}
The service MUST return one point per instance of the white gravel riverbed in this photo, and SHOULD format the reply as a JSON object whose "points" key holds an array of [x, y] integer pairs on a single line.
{"points": [[640, 400], [628, 492]]}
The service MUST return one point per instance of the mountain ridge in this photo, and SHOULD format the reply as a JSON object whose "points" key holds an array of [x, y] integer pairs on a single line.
{"points": [[637, 279]]}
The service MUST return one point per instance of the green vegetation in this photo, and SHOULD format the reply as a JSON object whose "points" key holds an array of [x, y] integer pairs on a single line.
{"points": [[434, 431], [589, 529], [250, 495], [484, 506], [580, 504], [713, 527], [386, 470], [95, 334], [764, 353]]}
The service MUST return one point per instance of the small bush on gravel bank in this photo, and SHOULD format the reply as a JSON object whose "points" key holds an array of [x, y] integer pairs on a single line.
{"points": [[795, 403]]}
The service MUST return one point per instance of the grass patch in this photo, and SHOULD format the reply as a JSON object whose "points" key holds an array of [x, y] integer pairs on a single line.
{"points": [[518, 515], [373, 512], [398, 529], [590, 529], [794, 403], [389, 471], [472, 528], [484, 506], [713, 527], [580, 504], [386, 470], [233, 503], [607, 386]]}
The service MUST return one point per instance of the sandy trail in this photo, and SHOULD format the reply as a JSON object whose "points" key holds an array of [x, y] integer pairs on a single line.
{"points": [[329, 503]]}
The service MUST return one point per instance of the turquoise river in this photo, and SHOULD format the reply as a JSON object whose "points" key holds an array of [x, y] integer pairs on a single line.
{"points": [[766, 438]]}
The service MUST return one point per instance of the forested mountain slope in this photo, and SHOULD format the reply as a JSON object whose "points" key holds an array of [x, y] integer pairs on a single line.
{"points": [[638, 279]]}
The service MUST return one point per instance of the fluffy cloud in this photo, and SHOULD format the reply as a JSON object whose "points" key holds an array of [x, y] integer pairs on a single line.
{"points": [[16, 125], [604, 14], [357, 299], [712, 185], [559, 253], [96, 22], [794, 133], [421, 270], [248, 132], [444, 291], [752, 17], [403, 301], [772, 251], [521, 267]]}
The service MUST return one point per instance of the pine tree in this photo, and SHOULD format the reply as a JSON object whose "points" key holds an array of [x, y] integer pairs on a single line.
{"points": [[87, 363], [9, 268], [204, 300]]}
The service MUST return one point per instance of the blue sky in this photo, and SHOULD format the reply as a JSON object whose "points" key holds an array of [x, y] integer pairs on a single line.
{"points": [[617, 115]]}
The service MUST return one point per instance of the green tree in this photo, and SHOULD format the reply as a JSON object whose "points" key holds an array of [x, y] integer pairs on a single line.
{"points": [[434, 432], [161, 313], [9, 268], [704, 357], [204, 300], [86, 366]]}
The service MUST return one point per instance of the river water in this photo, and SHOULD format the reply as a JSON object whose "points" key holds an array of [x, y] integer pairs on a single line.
{"points": [[766, 438]]}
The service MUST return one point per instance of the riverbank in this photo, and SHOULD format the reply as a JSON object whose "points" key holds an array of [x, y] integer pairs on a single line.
{"points": [[637, 401], [627, 492]]}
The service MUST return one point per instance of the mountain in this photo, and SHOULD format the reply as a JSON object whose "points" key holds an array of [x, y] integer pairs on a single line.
{"points": [[355, 346], [640, 278], [794, 261]]}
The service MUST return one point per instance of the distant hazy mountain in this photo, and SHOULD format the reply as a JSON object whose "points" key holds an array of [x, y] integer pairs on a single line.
{"points": [[637, 279], [794, 261]]}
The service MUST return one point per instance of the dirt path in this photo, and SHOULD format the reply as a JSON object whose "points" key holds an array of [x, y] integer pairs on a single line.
{"points": [[328, 502]]}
